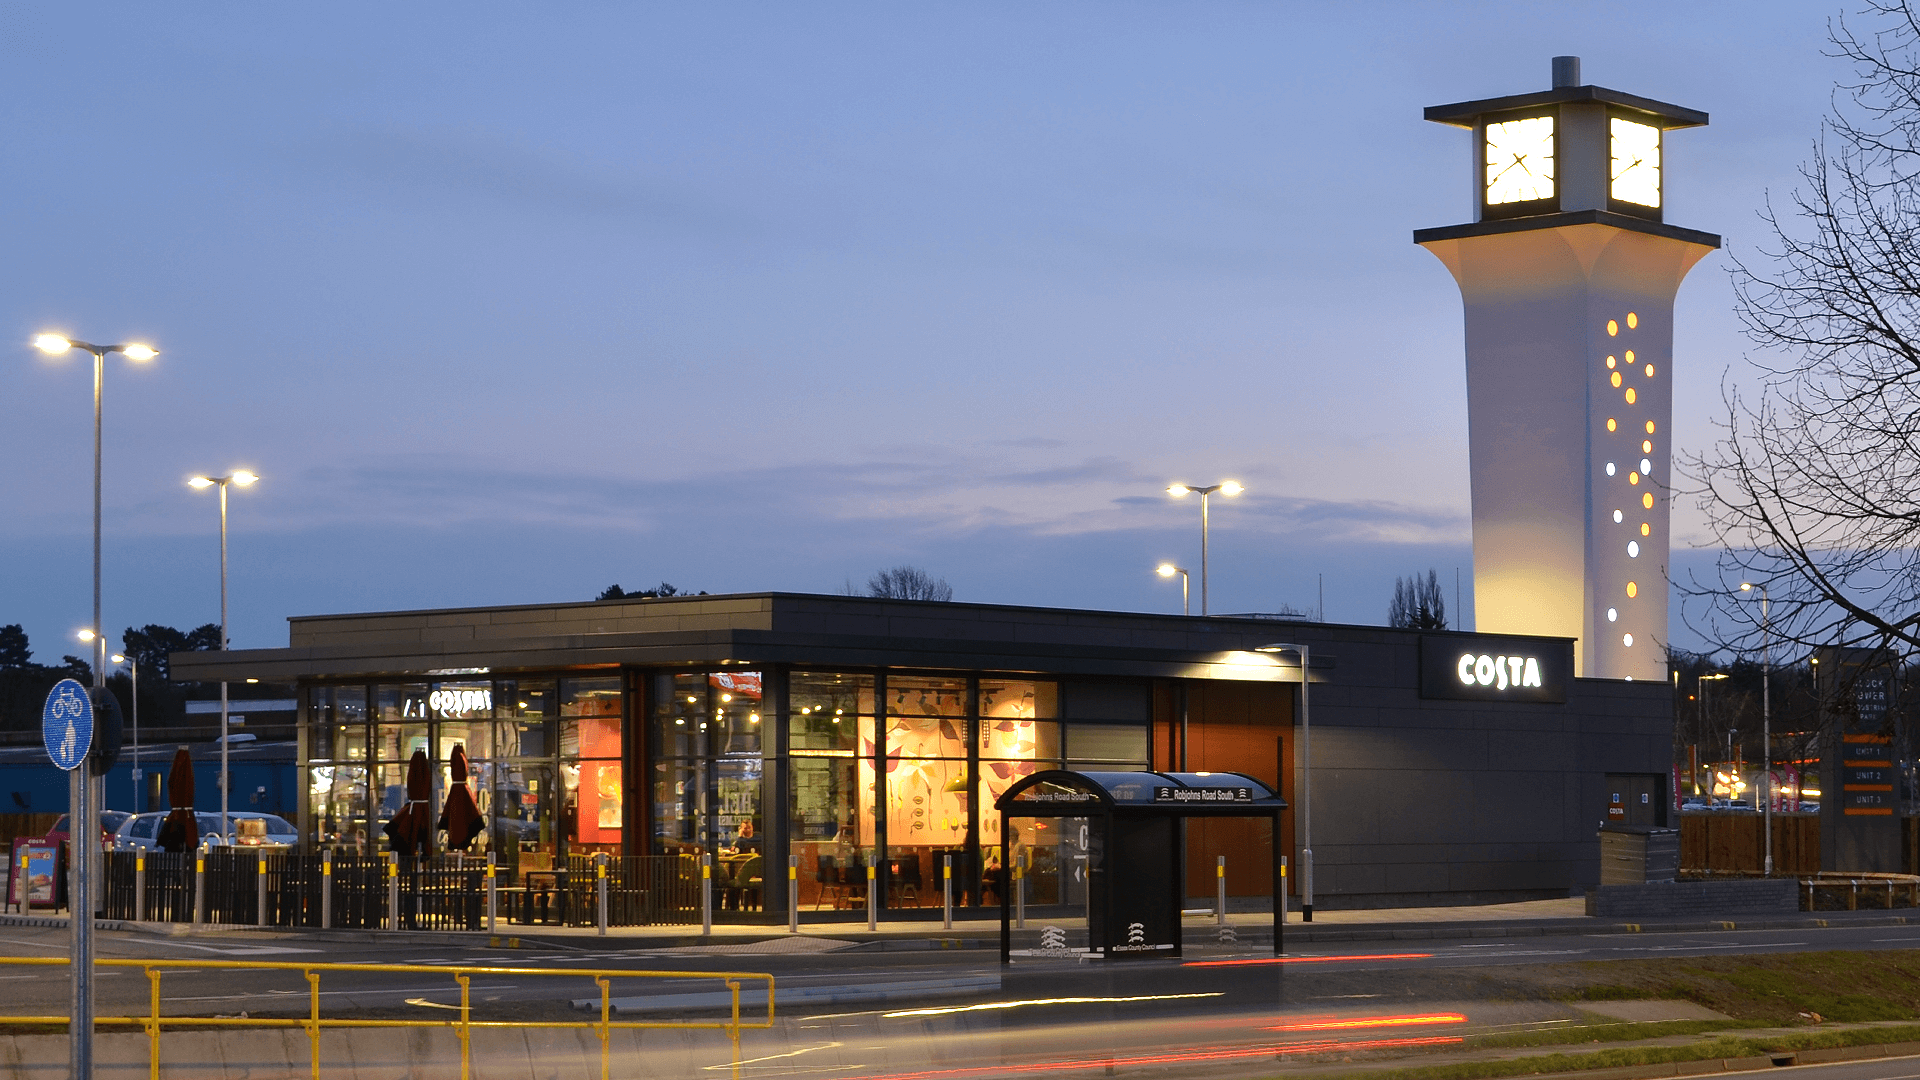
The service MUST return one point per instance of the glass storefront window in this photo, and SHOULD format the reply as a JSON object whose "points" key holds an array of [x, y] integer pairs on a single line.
{"points": [[1019, 699], [592, 812], [520, 808], [525, 738], [1105, 746], [476, 736], [678, 804], [395, 743], [926, 788], [407, 701], [590, 697], [526, 697], [830, 716], [337, 802], [340, 743], [708, 778]]}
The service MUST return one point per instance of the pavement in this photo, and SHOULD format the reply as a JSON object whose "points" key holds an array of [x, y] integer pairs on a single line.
{"points": [[981, 930]]}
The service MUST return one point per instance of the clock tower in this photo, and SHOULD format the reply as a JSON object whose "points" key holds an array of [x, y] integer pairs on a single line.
{"points": [[1568, 273]]}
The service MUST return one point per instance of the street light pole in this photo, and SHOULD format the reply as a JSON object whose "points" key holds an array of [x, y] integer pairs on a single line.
{"points": [[1700, 721], [1228, 488], [139, 804], [1306, 782], [244, 479], [82, 821], [1766, 711], [1168, 570]]}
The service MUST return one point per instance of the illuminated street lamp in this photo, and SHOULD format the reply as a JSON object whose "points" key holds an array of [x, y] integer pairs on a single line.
{"points": [[56, 345], [1766, 711], [1306, 783], [1700, 719], [244, 479], [1228, 488], [1167, 569], [82, 793]]}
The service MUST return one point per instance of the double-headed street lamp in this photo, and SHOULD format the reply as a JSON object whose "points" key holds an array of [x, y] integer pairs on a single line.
{"points": [[1306, 783], [82, 818], [1167, 569], [1228, 488], [55, 345], [244, 479], [1766, 711]]}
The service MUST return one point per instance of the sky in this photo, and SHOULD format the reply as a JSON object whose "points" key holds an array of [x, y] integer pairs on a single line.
{"points": [[508, 303]]}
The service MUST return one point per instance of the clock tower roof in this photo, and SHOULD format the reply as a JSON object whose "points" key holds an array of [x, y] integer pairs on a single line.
{"points": [[1668, 117]]}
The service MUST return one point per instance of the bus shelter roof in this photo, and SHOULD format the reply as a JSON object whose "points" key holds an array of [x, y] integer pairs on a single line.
{"points": [[1072, 793]]}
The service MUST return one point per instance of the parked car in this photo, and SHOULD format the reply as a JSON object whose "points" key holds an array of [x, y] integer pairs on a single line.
{"points": [[140, 832], [110, 822]]}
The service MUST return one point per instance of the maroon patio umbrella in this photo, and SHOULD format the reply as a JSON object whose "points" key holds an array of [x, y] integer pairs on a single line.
{"points": [[461, 815], [179, 832], [411, 827]]}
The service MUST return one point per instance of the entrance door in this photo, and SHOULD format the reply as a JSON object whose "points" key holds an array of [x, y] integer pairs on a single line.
{"points": [[1632, 800]]}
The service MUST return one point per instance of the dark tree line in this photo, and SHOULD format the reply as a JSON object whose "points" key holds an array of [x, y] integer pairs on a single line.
{"points": [[615, 592], [24, 685]]}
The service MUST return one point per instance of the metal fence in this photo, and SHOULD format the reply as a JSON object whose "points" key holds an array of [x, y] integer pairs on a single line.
{"points": [[154, 1022], [449, 892]]}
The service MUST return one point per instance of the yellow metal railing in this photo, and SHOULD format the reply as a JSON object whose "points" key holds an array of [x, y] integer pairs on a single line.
{"points": [[463, 1027]]}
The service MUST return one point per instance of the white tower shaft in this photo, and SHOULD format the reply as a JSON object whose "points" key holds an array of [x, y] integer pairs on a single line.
{"points": [[1569, 334]]}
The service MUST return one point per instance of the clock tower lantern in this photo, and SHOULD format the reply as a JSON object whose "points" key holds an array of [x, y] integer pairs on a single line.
{"points": [[1568, 273]]}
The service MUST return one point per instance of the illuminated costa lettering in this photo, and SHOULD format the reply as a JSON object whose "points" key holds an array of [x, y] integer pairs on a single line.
{"points": [[1499, 672], [452, 702]]}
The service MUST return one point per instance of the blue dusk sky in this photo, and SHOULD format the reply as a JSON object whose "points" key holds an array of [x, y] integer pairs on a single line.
{"points": [[508, 303]]}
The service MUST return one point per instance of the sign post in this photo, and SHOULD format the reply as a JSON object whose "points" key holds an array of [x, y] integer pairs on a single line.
{"points": [[66, 728]]}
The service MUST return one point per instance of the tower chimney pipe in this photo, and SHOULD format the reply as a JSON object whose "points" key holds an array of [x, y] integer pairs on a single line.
{"points": [[1566, 71]]}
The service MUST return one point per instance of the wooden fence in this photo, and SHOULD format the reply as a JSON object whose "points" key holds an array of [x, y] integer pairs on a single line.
{"points": [[1734, 843]]}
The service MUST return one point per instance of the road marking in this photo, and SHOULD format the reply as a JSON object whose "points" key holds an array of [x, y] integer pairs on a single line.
{"points": [[774, 1057], [237, 950]]}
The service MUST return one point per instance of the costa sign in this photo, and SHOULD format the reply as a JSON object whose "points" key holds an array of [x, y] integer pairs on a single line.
{"points": [[1498, 672], [1477, 667]]}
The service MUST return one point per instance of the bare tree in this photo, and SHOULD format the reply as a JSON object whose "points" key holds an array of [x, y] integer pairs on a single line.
{"points": [[1813, 489], [908, 583], [1417, 604]]}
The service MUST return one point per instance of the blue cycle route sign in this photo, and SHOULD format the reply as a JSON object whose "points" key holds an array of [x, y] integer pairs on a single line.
{"points": [[66, 724]]}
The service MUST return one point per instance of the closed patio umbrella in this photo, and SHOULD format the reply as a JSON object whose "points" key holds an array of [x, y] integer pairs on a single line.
{"points": [[411, 827], [179, 832], [460, 817]]}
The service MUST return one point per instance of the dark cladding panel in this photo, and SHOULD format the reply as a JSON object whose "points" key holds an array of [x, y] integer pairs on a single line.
{"points": [[1480, 667]]}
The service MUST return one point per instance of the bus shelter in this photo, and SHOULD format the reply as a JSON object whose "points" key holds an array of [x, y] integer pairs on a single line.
{"points": [[1112, 841]]}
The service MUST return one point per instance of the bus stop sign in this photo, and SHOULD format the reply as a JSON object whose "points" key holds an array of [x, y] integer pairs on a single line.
{"points": [[66, 724]]}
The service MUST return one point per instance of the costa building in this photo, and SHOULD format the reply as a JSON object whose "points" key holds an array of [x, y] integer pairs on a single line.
{"points": [[846, 731]]}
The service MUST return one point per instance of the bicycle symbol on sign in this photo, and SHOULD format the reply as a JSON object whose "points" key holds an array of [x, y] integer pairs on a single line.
{"points": [[67, 706]]}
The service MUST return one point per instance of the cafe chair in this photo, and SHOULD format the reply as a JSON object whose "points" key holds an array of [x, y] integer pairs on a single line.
{"points": [[827, 876], [747, 884], [906, 880]]}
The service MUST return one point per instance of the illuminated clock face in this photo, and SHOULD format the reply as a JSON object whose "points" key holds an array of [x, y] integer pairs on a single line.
{"points": [[1636, 163], [1520, 161]]}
